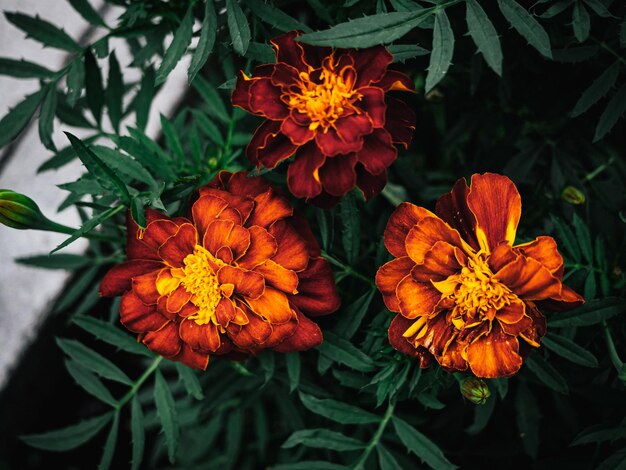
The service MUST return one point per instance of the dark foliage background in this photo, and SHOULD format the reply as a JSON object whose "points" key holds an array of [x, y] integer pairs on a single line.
{"points": [[541, 102]]}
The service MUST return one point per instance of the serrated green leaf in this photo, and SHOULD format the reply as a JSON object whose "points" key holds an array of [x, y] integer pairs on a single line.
{"points": [[442, 50], [567, 238], [547, 374], [94, 89], [46, 117], [110, 334], [386, 461], [527, 26], [190, 381], [138, 212], [292, 362], [17, 118], [144, 98], [613, 112], [89, 382], [597, 90], [206, 42], [323, 439], [137, 428], [584, 239], [599, 8], [126, 167], [402, 52], [338, 411], [69, 262], [352, 318], [182, 39], [569, 350], [171, 139], [209, 128], [69, 437], [43, 31], [594, 311], [147, 153], [351, 231], [260, 52], [234, 434], [75, 81], [277, 18], [589, 291], [558, 7], [109, 446], [114, 92], [599, 433], [342, 351], [93, 361], [484, 35], [368, 31], [581, 22], [420, 445], [87, 12], [527, 419], [166, 410], [238, 27], [23, 69], [212, 97]]}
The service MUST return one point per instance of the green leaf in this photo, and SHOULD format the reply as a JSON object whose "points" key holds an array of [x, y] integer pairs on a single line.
{"points": [[569, 350], [277, 18], [368, 31], [547, 374], [309, 465], [64, 261], [114, 92], [597, 434], [323, 439], [70, 437], [190, 381], [109, 446], [420, 445], [234, 434], [527, 419], [352, 318], [209, 128], [442, 50], [208, 32], [584, 239], [482, 415], [75, 81], [344, 352], [144, 98], [526, 25], [581, 22], [171, 139], [110, 334], [484, 35], [92, 360], [89, 382], [138, 212], [260, 52], [402, 52], [147, 153], [137, 428], [597, 90], [98, 168], [616, 461], [166, 410], [351, 231], [17, 118], [93, 86], [613, 112], [126, 167], [182, 39], [567, 237], [212, 97], [238, 27], [599, 8], [23, 69], [46, 117], [44, 32], [338, 411], [386, 461], [293, 370], [87, 12], [594, 311]]}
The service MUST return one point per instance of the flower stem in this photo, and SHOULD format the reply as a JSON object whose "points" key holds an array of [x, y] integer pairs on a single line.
{"points": [[135, 387], [377, 436], [615, 359]]}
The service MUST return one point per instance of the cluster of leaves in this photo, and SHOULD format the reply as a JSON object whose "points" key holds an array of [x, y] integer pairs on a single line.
{"points": [[354, 402]]}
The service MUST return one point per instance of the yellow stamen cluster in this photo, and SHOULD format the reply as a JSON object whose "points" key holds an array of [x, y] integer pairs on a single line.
{"points": [[200, 280], [324, 101]]}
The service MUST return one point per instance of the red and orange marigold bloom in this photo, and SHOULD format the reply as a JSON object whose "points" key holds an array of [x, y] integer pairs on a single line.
{"points": [[464, 293], [329, 108], [241, 274]]}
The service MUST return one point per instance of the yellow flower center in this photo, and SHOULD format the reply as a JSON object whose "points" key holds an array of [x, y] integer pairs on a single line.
{"points": [[326, 99], [200, 280]]}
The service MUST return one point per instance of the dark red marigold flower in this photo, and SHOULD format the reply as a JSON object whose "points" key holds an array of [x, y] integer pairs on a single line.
{"points": [[465, 294], [240, 275], [329, 109]]}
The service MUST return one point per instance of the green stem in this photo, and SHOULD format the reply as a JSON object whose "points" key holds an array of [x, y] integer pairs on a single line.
{"points": [[609, 49], [135, 387], [615, 359], [347, 269], [59, 228], [376, 438], [600, 169]]}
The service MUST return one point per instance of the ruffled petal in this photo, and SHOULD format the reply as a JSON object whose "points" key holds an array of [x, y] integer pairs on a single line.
{"points": [[337, 175], [306, 336], [544, 250], [377, 153], [247, 283], [262, 247], [494, 354], [293, 251], [241, 94], [241, 184], [416, 298], [369, 185], [370, 64], [139, 317], [303, 173], [440, 262], [402, 220], [157, 232], [428, 231], [297, 133], [205, 210], [145, 287], [373, 103], [268, 145], [278, 276], [281, 332], [389, 276], [252, 334], [119, 278], [269, 207], [272, 305], [452, 208], [289, 51], [177, 300], [135, 247], [394, 80], [398, 326], [346, 135], [265, 100], [177, 247], [399, 122], [529, 279], [202, 338], [191, 358], [317, 291], [165, 341]]}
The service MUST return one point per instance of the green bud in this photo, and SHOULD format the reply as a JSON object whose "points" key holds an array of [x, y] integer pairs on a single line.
{"points": [[475, 390], [20, 212], [213, 163], [573, 195]]}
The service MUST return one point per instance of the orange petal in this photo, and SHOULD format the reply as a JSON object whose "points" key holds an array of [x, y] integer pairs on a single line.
{"points": [[389, 276], [416, 298], [145, 287], [272, 305], [119, 278], [453, 358], [511, 314], [252, 334], [317, 292], [225, 254], [177, 300], [262, 247], [281, 332], [282, 278], [247, 283], [192, 358], [440, 333], [403, 219], [225, 312], [205, 210], [529, 279], [396, 330], [269, 207], [292, 251], [135, 247], [544, 250], [164, 341], [157, 232], [494, 354], [222, 233], [166, 283], [453, 210], [307, 335], [177, 247], [139, 317], [202, 338], [440, 262], [497, 205], [428, 231]]}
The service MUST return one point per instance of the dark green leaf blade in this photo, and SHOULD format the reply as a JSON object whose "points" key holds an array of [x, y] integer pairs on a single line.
{"points": [[17, 118], [94, 88], [442, 50], [22, 68], [87, 12], [484, 35], [206, 42], [276, 17], [420, 445], [547, 374], [527, 26], [386, 460], [69, 262], [323, 439], [569, 350], [613, 112], [344, 352], [43, 31], [598, 89], [238, 27], [580, 22], [46, 117], [109, 446], [591, 313], [182, 39], [89, 382], [166, 409], [190, 380], [110, 334], [75, 81], [70, 437], [114, 92], [138, 434], [338, 411], [293, 370]]}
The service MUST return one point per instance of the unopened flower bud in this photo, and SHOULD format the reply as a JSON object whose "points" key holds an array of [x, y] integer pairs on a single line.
{"points": [[573, 195], [20, 212], [475, 390]]}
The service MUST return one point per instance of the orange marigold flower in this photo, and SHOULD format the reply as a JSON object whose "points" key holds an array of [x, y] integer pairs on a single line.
{"points": [[240, 275], [329, 108], [464, 293]]}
